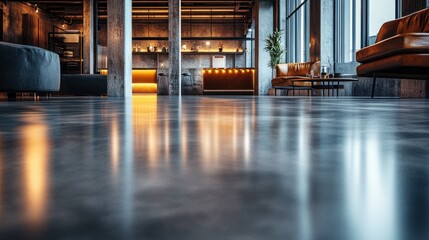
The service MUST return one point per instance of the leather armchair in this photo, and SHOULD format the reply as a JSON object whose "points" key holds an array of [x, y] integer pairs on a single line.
{"points": [[285, 72]]}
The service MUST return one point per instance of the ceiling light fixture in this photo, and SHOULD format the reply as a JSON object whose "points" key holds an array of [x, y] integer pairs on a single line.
{"points": [[36, 8]]}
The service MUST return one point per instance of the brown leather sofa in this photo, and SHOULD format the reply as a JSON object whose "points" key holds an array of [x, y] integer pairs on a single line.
{"points": [[285, 72], [401, 50]]}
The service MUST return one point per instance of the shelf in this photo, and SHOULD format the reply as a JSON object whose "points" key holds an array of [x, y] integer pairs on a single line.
{"points": [[190, 53], [212, 53], [60, 42], [197, 38], [70, 60]]}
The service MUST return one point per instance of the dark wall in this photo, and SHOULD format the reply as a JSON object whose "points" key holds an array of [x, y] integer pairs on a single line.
{"points": [[410, 6], [1, 24], [22, 25], [314, 30]]}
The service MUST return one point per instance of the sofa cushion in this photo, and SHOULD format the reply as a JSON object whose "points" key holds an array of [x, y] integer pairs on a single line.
{"points": [[287, 81], [403, 43], [404, 64]]}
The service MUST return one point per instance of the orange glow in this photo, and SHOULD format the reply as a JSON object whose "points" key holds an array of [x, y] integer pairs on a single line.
{"points": [[216, 71], [36, 169], [145, 87], [223, 71], [229, 71], [144, 80], [235, 71], [210, 71], [144, 76], [204, 71]]}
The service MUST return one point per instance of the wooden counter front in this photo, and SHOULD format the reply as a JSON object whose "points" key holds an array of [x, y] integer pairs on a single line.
{"points": [[228, 81]]}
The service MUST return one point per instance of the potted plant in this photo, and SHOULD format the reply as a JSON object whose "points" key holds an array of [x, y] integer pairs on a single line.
{"points": [[274, 46]]}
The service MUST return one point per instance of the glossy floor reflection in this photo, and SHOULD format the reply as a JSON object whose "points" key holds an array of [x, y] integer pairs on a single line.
{"points": [[214, 168]]}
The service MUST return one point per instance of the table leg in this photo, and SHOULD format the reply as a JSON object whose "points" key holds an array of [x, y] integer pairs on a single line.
{"points": [[373, 86], [338, 87]]}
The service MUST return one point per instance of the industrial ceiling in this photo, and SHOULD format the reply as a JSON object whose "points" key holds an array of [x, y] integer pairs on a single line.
{"points": [[156, 10]]}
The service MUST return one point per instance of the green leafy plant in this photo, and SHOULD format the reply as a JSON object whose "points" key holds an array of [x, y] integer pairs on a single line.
{"points": [[274, 46]]}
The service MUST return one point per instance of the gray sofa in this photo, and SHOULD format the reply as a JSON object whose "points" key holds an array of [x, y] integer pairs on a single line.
{"points": [[28, 69]]}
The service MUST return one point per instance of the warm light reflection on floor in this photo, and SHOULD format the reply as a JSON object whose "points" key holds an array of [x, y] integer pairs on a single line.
{"points": [[35, 142], [226, 132], [145, 124]]}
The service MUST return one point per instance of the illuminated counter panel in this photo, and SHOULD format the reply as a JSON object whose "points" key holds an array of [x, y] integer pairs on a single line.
{"points": [[144, 80], [227, 81]]}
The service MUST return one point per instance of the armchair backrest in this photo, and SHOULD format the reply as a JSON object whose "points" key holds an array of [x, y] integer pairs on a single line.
{"points": [[297, 69]]}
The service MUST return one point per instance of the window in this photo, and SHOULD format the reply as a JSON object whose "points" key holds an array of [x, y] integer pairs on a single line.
{"points": [[350, 34], [298, 30], [348, 29], [379, 12]]}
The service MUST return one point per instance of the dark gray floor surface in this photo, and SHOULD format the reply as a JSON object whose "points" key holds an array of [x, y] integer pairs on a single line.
{"points": [[214, 168]]}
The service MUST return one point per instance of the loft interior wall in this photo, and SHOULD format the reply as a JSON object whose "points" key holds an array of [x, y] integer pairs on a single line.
{"points": [[410, 87], [411, 6], [13, 20], [1, 24], [141, 29]]}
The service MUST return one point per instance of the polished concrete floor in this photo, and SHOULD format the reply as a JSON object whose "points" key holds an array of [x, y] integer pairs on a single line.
{"points": [[238, 168]]}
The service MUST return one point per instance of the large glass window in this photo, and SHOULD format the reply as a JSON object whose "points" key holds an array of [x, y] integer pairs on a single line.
{"points": [[379, 12], [298, 30], [348, 29]]}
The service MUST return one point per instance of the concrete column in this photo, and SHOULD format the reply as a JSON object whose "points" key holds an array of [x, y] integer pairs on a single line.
{"points": [[174, 42], [88, 39], [264, 27], [326, 31], [119, 48]]}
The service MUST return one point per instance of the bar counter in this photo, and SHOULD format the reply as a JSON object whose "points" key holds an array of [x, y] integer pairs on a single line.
{"points": [[209, 80]]}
